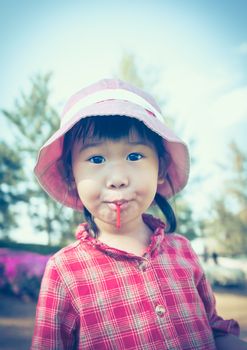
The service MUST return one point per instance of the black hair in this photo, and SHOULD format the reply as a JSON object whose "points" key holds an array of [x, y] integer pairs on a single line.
{"points": [[114, 128]]}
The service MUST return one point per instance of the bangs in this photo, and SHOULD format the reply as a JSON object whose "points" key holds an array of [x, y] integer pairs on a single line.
{"points": [[114, 128]]}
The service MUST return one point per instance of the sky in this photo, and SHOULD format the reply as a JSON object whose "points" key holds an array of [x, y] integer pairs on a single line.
{"points": [[197, 51]]}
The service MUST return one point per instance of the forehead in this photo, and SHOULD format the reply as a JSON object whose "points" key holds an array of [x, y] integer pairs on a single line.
{"points": [[128, 143], [133, 140], [112, 128], [132, 136]]}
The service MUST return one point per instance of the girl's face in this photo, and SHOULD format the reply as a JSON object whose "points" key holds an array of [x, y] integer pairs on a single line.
{"points": [[123, 171]]}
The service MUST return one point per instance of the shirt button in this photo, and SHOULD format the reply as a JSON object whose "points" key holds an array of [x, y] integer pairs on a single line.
{"points": [[160, 310], [143, 266]]}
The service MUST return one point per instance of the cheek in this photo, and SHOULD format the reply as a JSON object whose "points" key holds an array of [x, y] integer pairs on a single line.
{"points": [[149, 174], [147, 182], [87, 189], [144, 185]]}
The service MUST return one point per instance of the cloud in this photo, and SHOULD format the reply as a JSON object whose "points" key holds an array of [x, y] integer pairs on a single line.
{"points": [[201, 97], [230, 107], [242, 48]]}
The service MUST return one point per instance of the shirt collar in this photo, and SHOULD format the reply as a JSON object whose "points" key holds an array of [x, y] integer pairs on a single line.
{"points": [[156, 225]]}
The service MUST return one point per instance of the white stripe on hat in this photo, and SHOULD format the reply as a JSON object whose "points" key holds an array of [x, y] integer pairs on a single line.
{"points": [[110, 94]]}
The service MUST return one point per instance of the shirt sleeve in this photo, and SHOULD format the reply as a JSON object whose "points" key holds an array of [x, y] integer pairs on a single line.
{"points": [[55, 321], [219, 325]]}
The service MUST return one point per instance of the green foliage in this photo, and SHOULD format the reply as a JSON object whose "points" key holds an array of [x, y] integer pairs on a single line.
{"points": [[229, 223], [30, 247], [34, 120], [185, 221], [128, 70], [237, 184], [11, 175], [33, 117]]}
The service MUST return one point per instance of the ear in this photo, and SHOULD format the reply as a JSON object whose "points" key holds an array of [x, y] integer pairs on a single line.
{"points": [[162, 171], [72, 184]]}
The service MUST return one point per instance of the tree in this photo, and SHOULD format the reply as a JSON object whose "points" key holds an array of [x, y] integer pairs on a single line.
{"points": [[11, 177], [229, 223], [185, 221], [34, 120], [128, 70]]}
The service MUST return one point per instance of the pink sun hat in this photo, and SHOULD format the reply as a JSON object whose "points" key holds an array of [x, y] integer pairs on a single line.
{"points": [[109, 97]]}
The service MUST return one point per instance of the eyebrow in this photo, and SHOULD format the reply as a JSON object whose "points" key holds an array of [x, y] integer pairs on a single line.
{"points": [[89, 145], [96, 144]]}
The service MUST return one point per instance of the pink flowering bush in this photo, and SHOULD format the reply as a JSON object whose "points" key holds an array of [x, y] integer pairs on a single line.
{"points": [[21, 272]]}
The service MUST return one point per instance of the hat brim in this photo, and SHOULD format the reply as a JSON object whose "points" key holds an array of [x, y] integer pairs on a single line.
{"points": [[47, 166]]}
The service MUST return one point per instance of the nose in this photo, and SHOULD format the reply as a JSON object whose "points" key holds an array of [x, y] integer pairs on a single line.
{"points": [[117, 178]]}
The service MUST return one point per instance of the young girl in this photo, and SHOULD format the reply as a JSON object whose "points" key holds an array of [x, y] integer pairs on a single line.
{"points": [[128, 282]]}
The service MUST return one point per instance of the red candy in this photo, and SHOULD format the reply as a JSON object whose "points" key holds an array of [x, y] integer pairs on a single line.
{"points": [[118, 223]]}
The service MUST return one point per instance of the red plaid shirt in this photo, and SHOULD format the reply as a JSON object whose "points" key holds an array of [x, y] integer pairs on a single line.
{"points": [[96, 297]]}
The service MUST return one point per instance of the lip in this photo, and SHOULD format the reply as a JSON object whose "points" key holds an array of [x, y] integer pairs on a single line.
{"points": [[113, 204]]}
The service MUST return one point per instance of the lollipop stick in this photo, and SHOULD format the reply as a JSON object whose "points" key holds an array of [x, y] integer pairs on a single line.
{"points": [[118, 223]]}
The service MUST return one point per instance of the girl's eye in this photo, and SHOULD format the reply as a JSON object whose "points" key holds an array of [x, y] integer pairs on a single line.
{"points": [[134, 157], [96, 159]]}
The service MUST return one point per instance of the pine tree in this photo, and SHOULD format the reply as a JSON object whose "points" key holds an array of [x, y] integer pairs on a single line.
{"points": [[11, 193], [229, 224], [34, 120]]}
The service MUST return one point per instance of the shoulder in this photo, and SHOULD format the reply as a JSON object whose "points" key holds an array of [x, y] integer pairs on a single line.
{"points": [[65, 251], [66, 256], [180, 254], [69, 265], [176, 239], [177, 244]]}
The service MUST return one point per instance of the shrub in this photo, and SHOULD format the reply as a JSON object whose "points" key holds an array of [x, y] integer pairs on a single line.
{"points": [[21, 272]]}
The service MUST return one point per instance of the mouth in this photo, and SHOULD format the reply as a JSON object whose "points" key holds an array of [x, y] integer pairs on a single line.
{"points": [[118, 203]]}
